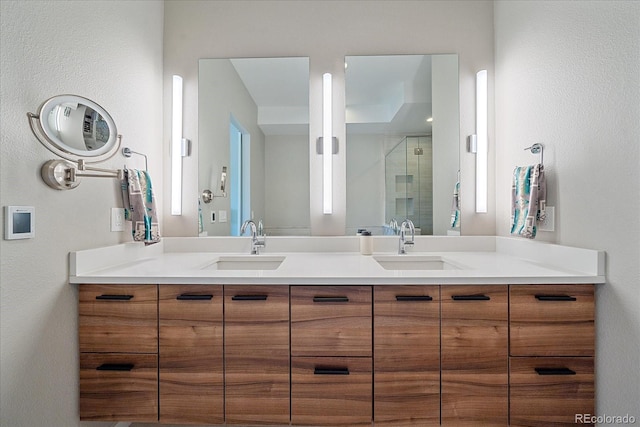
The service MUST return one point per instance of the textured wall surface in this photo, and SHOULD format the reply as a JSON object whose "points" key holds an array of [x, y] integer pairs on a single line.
{"points": [[567, 76], [107, 51]]}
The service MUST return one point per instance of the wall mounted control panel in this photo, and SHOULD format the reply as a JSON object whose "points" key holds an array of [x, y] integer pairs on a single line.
{"points": [[19, 222]]}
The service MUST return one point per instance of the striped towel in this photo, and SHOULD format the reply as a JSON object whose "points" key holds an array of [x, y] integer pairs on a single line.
{"points": [[139, 206], [528, 200]]}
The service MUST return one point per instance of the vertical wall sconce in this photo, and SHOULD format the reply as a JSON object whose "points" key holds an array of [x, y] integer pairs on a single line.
{"points": [[327, 145], [481, 141], [179, 147]]}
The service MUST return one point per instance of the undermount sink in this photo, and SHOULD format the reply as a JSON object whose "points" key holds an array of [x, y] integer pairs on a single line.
{"points": [[417, 262], [248, 262]]}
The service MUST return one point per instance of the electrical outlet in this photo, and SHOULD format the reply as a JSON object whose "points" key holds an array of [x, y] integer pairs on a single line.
{"points": [[117, 219], [549, 223], [213, 216]]}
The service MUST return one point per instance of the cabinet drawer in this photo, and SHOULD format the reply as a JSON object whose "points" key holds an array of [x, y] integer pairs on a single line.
{"points": [[257, 367], [190, 354], [406, 355], [550, 391], [331, 321], [474, 355], [115, 387], [552, 320], [333, 391], [118, 318]]}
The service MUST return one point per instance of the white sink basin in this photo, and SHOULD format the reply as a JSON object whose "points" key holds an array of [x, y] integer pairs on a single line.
{"points": [[246, 262], [415, 262]]}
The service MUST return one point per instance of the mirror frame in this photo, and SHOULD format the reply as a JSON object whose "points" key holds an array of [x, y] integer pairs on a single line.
{"points": [[53, 143]]}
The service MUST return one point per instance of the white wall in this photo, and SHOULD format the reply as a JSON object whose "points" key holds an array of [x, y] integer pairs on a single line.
{"points": [[218, 29], [110, 52], [567, 76]]}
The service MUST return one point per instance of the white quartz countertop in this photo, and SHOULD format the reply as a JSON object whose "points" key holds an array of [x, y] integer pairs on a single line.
{"points": [[337, 261]]}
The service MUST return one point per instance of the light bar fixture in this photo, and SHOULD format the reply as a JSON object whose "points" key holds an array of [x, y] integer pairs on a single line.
{"points": [[176, 147], [482, 136], [327, 145]]}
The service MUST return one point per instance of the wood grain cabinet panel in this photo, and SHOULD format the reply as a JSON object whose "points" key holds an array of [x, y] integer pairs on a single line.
{"points": [[331, 391], [257, 371], [552, 320], [474, 355], [191, 371], [118, 318], [406, 355], [116, 387], [331, 321], [550, 391]]}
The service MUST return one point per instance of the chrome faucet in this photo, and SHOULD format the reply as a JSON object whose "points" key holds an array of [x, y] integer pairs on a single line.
{"points": [[256, 243], [407, 223]]}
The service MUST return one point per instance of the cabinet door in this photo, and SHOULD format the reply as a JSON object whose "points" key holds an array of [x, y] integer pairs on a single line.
{"points": [[551, 391], [190, 354], [257, 354], [331, 391], [331, 321], [118, 318], [552, 320], [406, 355], [116, 387], [474, 355]]}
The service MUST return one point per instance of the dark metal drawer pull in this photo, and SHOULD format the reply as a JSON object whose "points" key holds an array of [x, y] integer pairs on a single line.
{"points": [[331, 371], [413, 298], [249, 298], [192, 297], [555, 371], [115, 367], [470, 298], [330, 299], [108, 297], [555, 298]]}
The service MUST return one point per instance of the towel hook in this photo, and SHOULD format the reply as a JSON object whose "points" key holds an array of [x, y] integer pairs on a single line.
{"points": [[537, 149]]}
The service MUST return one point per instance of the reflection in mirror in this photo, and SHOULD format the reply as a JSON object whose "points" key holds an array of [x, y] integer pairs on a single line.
{"points": [[402, 150], [253, 119], [75, 128]]}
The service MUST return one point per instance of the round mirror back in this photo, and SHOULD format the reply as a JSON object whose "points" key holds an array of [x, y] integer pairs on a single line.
{"points": [[78, 128]]}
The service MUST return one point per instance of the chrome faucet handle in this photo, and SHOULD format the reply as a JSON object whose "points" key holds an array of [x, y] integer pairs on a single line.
{"points": [[256, 243], [260, 228]]}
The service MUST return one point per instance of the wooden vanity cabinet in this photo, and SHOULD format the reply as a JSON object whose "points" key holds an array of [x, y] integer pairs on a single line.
{"points": [[257, 368], [118, 340], [552, 354], [331, 355], [191, 374], [406, 355], [474, 355]]}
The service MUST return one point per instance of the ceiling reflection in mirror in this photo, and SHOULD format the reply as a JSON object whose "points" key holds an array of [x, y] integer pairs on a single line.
{"points": [[253, 123], [402, 150]]}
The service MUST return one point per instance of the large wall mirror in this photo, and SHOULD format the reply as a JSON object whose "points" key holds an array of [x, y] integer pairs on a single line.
{"points": [[253, 130], [402, 149]]}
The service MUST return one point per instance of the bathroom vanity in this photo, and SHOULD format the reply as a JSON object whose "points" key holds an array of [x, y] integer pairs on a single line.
{"points": [[457, 332]]}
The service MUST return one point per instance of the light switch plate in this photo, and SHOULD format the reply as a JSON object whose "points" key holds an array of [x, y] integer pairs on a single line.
{"points": [[550, 221], [117, 219], [222, 216]]}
